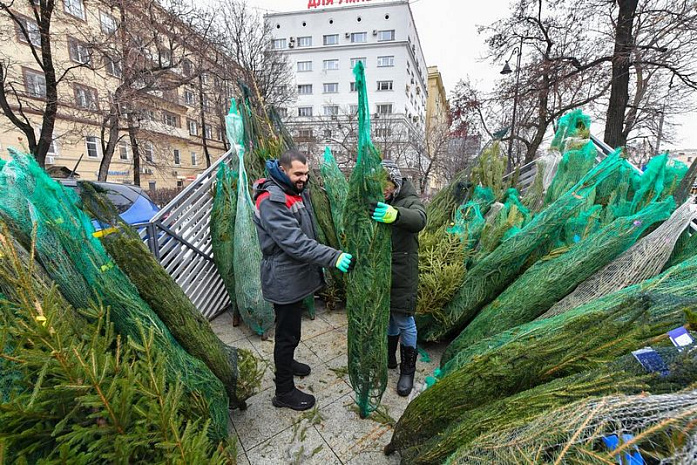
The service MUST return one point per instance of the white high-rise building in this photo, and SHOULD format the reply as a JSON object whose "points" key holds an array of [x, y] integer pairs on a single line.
{"points": [[323, 46]]}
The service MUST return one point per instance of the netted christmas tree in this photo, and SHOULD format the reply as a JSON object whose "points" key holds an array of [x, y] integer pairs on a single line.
{"points": [[336, 185], [368, 285], [84, 394], [77, 262]]}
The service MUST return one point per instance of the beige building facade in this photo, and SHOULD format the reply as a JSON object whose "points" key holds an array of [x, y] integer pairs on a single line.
{"points": [[437, 127], [171, 125]]}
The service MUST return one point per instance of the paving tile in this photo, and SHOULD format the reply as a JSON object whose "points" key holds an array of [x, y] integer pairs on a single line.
{"points": [[242, 458], [374, 457], [347, 434], [300, 443], [312, 328], [324, 384], [335, 318], [328, 345], [261, 420]]}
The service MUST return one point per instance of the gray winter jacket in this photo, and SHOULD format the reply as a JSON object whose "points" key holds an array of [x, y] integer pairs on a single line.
{"points": [[291, 266]]}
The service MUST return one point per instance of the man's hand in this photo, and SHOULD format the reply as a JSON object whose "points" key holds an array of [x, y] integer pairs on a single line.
{"points": [[345, 262], [383, 213]]}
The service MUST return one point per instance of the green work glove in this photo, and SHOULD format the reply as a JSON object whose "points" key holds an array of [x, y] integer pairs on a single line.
{"points": [[383, 213], [345, 262]]}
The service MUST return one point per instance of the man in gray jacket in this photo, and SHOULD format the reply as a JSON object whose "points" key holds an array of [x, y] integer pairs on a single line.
{"points": [[291, 267]]}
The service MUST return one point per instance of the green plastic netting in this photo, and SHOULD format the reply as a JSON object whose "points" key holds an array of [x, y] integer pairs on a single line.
{"points": [[660, 178], [440, 210], [538, 352], [494, 272], [469, 217], [222, 226], [78, 263], [578, 159], [254, 310], [547, 281], [625, 375], [368, 285], [237, 369], [336, 185]]}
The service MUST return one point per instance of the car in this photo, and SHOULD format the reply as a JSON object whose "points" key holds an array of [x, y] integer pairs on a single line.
{"points": [[132, 202]]}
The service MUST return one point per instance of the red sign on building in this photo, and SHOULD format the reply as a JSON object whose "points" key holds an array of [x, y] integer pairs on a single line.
{"points": [[318, 3]]}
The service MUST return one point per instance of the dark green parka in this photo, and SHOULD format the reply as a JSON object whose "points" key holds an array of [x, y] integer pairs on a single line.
{"points": [[405, 248]]}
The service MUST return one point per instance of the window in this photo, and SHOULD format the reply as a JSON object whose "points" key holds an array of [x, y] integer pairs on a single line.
{"points": [[352, 87], [193, 127], [218, 133], [385, 62], [305, 133], [331, 39], [208, 131], [305, 89], [304, 66], [189, 98], [187, 68], [85, 97], [194, 159], [305, 41], [93, 148], [204, 78], [384, 85], [384, 36], [282, 112], [353, 109], [359, 37], [331, 110], [32, 30], [123, 150], [207, 107], [113, 68], [278, 44], [35, 83], [354, 61], [304, 111], [165, 57], [107, 22], [383, 132], [331, 88], [177, 157], [330, 65], [74, 8], [149, 152], [170, 119], [79, 52], [53, 149], [327, 134], [385, 108]]}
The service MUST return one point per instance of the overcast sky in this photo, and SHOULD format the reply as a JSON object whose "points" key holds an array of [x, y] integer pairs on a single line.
{"points": [[448, 33]]}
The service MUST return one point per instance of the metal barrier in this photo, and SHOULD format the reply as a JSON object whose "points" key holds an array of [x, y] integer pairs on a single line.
{"points": [[179, 237]]}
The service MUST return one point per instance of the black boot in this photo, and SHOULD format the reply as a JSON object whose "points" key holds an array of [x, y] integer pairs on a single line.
{"points": [[392, 343], [295, 399], [406, 370], [300, 369]]}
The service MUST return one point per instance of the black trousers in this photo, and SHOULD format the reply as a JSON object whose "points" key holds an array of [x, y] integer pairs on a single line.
{"points": [[287, 338]]}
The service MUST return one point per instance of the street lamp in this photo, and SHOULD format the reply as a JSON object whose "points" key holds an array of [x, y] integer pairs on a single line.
{"points": [[507, 70]]}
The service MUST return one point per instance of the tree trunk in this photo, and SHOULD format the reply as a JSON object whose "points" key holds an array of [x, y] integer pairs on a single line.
{"points": [[619, 93], [206, 153], [112, 124], [133, 136]]}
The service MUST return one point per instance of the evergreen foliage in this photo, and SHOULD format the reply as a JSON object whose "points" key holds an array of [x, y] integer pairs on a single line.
{"points": [[87, 395], [222, 226], [368, 285]]}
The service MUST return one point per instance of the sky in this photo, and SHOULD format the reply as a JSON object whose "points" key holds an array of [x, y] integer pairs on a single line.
{"points": [[449, 38]]}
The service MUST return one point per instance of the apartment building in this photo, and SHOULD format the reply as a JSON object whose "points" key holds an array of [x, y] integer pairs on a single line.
{"points": [[324, 45], [172, 111]]}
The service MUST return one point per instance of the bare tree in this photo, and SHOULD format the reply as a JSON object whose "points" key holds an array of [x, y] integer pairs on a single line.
{"points": [[247, 39], [34, 29]]}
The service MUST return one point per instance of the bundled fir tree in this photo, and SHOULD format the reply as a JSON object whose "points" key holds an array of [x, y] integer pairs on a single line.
{"points": [[85, 395]]}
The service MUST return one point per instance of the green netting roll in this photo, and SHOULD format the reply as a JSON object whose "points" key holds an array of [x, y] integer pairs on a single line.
{"points": [[659, 179], [254, 310], [571, 125], [222, 226], [535, 353], [548, 281], [78, 263], [495, 271], [368, 285], [624, 375], [336, 185]]}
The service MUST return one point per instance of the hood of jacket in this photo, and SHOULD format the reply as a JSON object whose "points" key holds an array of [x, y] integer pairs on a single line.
{"points": [[273, 167]]}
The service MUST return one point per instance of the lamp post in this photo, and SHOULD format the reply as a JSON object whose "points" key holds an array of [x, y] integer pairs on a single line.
{"points": [[507, 70]]}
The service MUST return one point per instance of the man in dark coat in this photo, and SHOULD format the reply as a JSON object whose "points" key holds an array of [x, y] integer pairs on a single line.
{"points": [[291, 266], [405, 213]]}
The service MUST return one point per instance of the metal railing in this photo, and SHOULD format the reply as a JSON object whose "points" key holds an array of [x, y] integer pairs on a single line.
{"points": [[179, 236]]}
